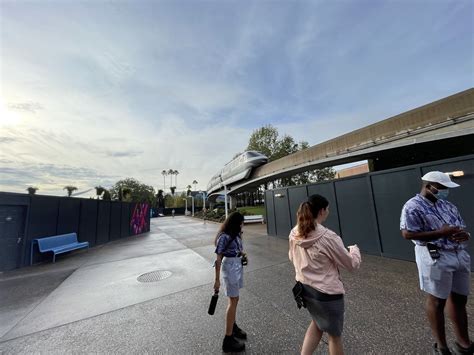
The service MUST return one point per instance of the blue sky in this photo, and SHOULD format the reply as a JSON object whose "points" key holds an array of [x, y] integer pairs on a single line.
{"points": [[93, 92]]}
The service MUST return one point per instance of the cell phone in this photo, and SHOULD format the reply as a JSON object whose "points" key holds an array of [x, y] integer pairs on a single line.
{"points": [[433, 249]]}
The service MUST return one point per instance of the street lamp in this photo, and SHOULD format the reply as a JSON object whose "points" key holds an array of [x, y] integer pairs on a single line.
{"points": [[192, 204], [203, 193], [186, 206], [225, 197]]}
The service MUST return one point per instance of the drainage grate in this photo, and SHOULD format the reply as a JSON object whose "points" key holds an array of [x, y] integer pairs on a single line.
{"points": [[154, 276]]}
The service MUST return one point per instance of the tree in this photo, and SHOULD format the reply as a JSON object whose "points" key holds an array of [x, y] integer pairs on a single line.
{"points": [[172, 188], [169, 201], [160, 200], [195, 183], [137, 191], [285, 146], [99, 190], [324, 174], [164, 173], [315, 175], [106, 196], [188, 192], [126, 194], [32, 190], [176, 173], [70, 189], [171, 173], [267, 141]]}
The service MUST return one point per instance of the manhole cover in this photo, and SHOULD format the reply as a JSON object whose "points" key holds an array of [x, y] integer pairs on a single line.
{"points": [[154, 276]]}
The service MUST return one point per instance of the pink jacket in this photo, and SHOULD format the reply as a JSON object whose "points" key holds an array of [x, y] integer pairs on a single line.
{"points": [[317, 259]]}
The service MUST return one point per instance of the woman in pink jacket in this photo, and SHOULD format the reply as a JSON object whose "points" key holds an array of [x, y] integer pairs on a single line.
{"points": [[317, 254]]}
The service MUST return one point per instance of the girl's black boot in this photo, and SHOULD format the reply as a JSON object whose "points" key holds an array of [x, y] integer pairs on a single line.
{"points": [[232, 345]]}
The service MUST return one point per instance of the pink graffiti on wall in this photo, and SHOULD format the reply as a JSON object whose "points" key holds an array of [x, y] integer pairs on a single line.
{"points": [[138, 222]]}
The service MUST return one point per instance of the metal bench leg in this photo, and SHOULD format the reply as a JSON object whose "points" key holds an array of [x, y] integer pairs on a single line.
{"points": [[54, 257]]}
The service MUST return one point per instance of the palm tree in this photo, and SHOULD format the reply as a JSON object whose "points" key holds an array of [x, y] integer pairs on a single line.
{"points": [[188, 192], [32, 190], [164, 173], [171, 173], [195, 183], [176, 173], [99, 190], [70, 189]]}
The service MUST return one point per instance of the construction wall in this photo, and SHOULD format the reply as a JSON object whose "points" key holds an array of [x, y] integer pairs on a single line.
{"points": [[365, 209], [26, 217]]}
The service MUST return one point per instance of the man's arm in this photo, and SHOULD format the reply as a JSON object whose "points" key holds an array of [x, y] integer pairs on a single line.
{"points": [[445, 231]]}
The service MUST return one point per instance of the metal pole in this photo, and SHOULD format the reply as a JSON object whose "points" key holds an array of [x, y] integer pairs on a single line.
{"points": [[203, 206], [225, 201], [203, 200], [192, 201]]}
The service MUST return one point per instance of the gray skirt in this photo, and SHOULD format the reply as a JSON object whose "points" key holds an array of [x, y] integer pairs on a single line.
{"points": [[326, 310]]}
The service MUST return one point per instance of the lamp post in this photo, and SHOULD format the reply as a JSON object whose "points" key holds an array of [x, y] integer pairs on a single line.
{"points": [[186, 206], [225, 201], [192, 204], [203, 193], [225, 197]]}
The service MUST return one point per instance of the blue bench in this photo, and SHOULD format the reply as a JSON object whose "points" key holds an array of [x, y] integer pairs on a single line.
{"points": [[57, 244]]}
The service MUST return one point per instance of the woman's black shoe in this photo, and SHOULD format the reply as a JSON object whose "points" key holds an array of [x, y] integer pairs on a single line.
{"points": [[232, 345], [238, 333]]}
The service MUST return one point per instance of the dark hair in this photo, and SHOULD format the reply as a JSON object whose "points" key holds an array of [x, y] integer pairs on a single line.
{"points": [[307, 212], [231, 226]]}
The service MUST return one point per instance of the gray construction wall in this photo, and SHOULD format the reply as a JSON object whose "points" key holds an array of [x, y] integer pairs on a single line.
{"points": [[365, 209]]}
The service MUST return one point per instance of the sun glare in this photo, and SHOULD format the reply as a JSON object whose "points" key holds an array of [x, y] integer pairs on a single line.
{"points": [[8, 117]]}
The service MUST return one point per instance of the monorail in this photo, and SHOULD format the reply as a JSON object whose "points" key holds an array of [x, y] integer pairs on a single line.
{"points": [[237, 169]]}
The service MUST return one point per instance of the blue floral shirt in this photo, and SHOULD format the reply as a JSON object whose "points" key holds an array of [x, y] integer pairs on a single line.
{"points": [[233, 247], [421, 215]]}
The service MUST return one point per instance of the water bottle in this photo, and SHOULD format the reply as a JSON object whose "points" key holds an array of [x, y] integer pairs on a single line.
{"points": [[212, 305]]}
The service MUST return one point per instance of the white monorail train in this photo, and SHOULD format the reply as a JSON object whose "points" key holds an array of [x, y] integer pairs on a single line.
{"points": [[237, 169]]}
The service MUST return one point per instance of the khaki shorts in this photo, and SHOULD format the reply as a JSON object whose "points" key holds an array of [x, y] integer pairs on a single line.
{"points": [[450, 273]]}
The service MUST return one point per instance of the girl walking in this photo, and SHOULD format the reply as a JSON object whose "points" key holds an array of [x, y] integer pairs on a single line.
{"points": [[317, 254]]}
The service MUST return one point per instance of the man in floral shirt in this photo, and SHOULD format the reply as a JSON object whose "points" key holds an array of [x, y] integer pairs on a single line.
{"points": [[438, 231]]}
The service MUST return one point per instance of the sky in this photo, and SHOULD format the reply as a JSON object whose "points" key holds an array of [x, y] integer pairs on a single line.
{"points": [[92, 92]]}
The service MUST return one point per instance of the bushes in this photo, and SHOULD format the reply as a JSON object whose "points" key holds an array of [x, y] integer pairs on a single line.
{"points": [[218, 214]]}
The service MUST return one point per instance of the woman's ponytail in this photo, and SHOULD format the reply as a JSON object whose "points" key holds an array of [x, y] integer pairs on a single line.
{"points": [[307, 213], [305, 219]]}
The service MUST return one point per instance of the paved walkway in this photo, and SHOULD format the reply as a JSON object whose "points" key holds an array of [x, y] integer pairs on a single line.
{"points": [[91, 301]]}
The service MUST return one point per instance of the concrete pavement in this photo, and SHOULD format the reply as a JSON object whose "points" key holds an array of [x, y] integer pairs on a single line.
{"points": [[91, 301]]}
